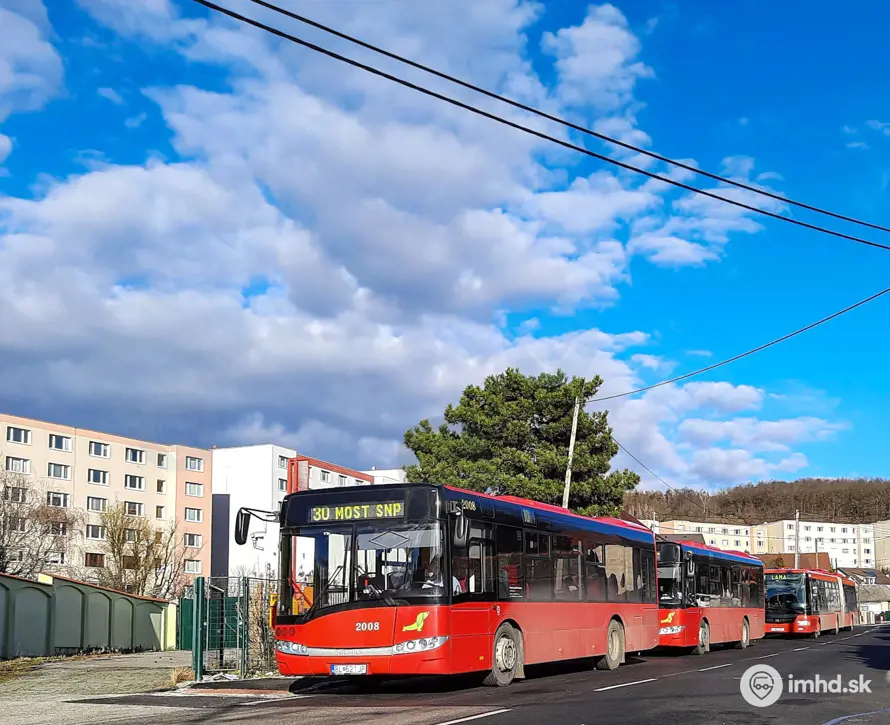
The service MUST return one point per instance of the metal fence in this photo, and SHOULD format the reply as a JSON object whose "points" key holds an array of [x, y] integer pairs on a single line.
{"points": [[228, 619]]}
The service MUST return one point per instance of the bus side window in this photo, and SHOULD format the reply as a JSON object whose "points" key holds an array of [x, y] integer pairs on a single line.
{"points": [[616, 573], [474, 568], [594, 572], [538, 567], [736, 585], [567, 564], [511, 582], [647, 572]]}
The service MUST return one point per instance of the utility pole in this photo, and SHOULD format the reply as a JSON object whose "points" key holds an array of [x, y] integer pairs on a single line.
{"points": [[797, 539], [565, 490], [817, 554]]}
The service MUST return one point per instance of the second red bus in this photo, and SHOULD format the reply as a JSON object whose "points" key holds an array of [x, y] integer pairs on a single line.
{"points": [[809, 602]]}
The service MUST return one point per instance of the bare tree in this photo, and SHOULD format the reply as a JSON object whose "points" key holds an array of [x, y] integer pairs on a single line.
{"points": [[37, 527], [139, 557]]}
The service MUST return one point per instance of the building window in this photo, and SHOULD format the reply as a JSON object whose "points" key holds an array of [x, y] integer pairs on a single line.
{"points": [[58, 470], [844, 530], [55, 558], [325, 476], [160, 512], [58, 528], [724, 542], [18, 465], [94, 561], [194, 515], [135, 455], [130, 563], [282, 484], [94, 503], [845, 551], [57, 500], [99, 449], [359, 483], [725, 531], [18, 435], [192, 541], [808, 538], [194, 464], [59, 443], [806, 528], [818, 528], [16, 494], [133, 508], [866, 551], [194, 489], [136, 483], [341, 480], [161, 486], [162, 460], [95, 532], [94, 475], [16, 524], [790, 547], [737, 543], [282, 461], [192, 566], [791, 526], [698, 529], [131, 536]]}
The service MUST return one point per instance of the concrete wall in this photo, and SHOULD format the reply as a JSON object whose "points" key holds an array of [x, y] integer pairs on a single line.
{"points": [[63, 616]]}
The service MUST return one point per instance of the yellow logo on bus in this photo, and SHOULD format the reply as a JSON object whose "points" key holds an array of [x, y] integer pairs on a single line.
{"points": [[669, 618], [418, 623]]}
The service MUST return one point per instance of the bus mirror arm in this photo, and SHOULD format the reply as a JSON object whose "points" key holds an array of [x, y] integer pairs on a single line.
{"points": [[461, 533], [242, 522]]}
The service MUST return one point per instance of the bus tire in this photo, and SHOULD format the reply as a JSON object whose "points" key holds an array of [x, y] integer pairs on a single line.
{"points": [[704, 639], [505, 658], [746, 636], [837, 626], [614, 648], [817, 633]]}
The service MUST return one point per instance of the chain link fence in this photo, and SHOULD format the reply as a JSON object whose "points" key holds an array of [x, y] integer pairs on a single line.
{"points": [[228, 620]]}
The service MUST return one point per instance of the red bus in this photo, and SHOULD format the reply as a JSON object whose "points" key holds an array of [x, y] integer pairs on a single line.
{"points": [[809, 601], [410, 579], [708, 596]]}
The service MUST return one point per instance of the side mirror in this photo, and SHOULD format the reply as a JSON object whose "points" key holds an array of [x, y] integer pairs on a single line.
{"points": [[461, 534], [690, 567], [242, 524]]}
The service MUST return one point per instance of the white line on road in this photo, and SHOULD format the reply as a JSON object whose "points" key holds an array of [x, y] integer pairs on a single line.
{"points": [[774, 654], [475, 717], [800, 649], [273, 698], [716, 667], [624, 684]]}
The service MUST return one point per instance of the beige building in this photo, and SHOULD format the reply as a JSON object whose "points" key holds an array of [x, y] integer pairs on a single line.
{"points": [[87, 470], [730, 537], [847, 545]]}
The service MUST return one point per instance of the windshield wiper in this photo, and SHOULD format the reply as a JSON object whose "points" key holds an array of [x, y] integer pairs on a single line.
{"points": [[324, 590]]}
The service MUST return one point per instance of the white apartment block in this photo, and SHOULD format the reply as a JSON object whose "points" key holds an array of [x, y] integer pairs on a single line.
{"points": [[730, 537], [847, 545], [87, 470], [387, 475], [259, 477], [882, 544]]}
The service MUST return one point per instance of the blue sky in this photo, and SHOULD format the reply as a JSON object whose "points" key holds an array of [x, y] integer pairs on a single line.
{"points": [[210, 237]]}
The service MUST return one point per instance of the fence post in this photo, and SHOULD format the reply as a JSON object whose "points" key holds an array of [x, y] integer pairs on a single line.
{"points": [[199, 626], [245, 625]]}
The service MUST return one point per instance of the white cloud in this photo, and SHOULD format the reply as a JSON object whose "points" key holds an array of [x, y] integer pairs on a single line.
{"points": [[857, 145], [758, 435], [111, 95], [30, 68], [880, 126]]}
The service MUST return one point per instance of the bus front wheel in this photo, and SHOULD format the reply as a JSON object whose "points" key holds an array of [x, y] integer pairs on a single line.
{"points": [[505, 658], [704, 639], [614, 648]]}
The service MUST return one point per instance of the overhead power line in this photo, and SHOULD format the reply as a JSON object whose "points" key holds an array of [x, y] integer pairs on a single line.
{"points": [[747, 353], [532, 132], [557, 119]]}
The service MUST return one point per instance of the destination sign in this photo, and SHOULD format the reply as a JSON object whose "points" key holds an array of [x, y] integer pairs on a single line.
{"points": [[358, 512]]}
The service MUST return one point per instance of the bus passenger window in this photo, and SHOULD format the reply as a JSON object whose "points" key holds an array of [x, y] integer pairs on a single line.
{"points": [[595, 574], [511, 582]]}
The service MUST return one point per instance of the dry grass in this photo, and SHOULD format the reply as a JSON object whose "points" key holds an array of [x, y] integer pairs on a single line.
{"points": [[13, 669], [179, 675]]}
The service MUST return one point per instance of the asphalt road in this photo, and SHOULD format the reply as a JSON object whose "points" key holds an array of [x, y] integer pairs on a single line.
{"points": [[660, 689]]}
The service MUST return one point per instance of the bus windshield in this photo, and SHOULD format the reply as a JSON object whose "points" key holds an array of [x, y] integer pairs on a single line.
{"points": [[331, 565], [786, 592], [670, 575]]}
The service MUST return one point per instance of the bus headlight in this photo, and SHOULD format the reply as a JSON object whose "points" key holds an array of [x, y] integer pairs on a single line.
{"points": [[291, 648], [419, 645], [671, 630]]}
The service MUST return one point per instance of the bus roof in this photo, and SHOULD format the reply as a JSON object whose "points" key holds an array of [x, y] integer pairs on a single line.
{"points": [[730, 554], [818, 573]]}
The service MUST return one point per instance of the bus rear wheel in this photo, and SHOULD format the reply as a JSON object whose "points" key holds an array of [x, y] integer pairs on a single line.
{"points": [[505, 657], [614, 648], [746, 636], [704, 639]]}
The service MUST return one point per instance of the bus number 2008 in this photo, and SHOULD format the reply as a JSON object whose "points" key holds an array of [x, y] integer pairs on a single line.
{"points": [[367, 626]]}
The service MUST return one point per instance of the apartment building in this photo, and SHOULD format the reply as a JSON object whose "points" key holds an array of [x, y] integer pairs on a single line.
{"points": [[847, 545], [88, 470], [258, 477], [882, 544], [387, 475], [731, 537]]}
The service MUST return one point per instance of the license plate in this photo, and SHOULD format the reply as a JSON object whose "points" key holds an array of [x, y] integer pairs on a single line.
{"points": [[349, 669], [777, 629]]}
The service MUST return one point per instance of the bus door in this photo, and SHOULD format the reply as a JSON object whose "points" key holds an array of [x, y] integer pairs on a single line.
{"points": [[474, 611]]}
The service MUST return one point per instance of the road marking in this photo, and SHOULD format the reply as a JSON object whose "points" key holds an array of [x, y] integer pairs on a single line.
{"points": [[272, 698], [858, 714], [774, 654], [615, 687], [800, 649], [475, 717], [716, 667]]}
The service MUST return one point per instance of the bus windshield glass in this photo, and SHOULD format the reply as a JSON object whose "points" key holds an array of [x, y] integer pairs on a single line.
{"points": [[330, 565], [670, 575], [786, 593]]}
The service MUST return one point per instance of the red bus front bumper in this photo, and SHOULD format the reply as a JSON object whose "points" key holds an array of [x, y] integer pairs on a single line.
{"points": [[420, 663], [803, 624]]}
